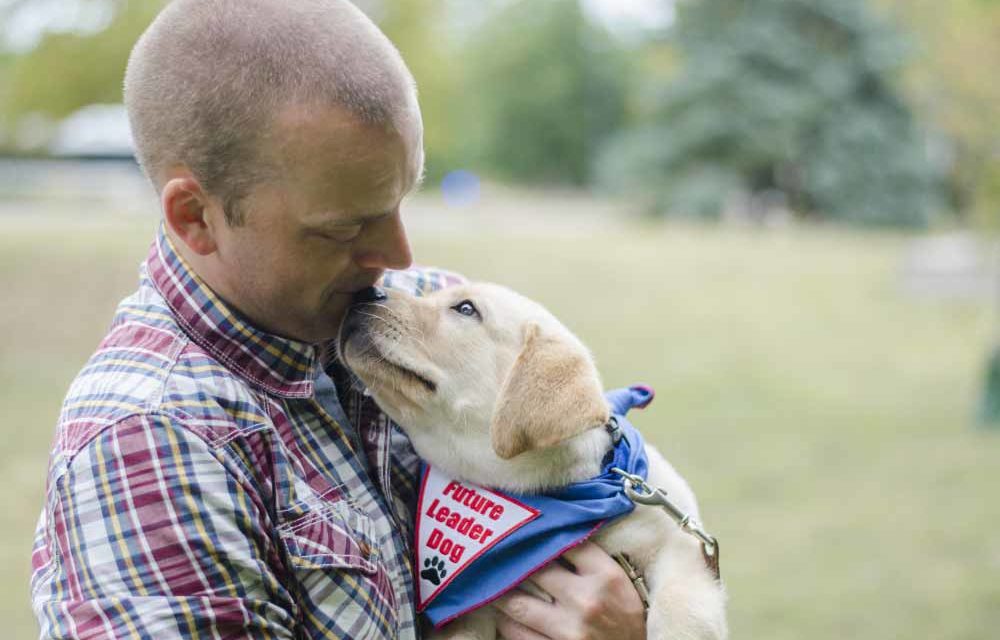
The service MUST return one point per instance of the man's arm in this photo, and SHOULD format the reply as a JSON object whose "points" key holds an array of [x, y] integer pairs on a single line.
{"points": [[149, 534]]}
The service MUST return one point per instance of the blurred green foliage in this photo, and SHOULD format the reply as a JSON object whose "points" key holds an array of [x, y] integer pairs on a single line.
{"points": [[67, 71], [828, 109], [952, 82], [793, 98], [415, 27], [547, 89]]}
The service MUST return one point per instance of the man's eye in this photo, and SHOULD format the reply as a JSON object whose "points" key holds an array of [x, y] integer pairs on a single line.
{"points": [[466, 308], [344, 234]]}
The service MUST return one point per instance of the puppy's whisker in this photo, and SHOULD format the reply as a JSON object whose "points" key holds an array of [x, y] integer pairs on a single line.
{"points": [[394, 327], [400, 321], [371, 315]]}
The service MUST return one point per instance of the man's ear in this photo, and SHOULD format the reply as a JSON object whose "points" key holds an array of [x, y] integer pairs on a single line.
{"points": [[186, 212], [551, 393]]}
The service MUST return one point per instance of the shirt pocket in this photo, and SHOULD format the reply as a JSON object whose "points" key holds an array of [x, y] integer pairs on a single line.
{"points": [[328, 541], [331, 535]]}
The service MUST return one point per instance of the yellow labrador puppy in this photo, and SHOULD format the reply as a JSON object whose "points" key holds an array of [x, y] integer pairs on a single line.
{"points": [[494, 391]]}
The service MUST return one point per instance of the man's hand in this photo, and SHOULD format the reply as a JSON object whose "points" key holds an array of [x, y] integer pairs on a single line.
{"points": [[593, 600]]}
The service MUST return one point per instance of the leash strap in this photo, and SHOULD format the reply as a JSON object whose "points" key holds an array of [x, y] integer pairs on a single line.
{"points": [[639, 492], [636, 578]]}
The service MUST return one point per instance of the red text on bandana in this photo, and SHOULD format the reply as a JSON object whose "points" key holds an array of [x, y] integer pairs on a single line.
{"points": [[458, 522]]}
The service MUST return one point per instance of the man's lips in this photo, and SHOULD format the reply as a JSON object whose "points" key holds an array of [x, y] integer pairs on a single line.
{"points": [[340, 291]]}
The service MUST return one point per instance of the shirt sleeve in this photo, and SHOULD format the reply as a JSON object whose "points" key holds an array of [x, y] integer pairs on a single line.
{"points": [[150, 533], [421, 280]]}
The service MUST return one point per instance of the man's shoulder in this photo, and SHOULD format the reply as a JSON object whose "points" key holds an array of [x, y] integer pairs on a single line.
{"points": [[147, 366]]}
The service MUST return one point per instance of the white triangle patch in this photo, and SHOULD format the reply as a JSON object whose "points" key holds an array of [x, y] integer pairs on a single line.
{"points": [[457, 522]]}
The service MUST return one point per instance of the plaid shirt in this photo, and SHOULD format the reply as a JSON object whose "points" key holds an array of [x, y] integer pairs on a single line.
{"points": [[197, 488]]}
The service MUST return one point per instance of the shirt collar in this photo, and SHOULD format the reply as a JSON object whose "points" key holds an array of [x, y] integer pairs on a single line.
{"points": [[277, 365]]}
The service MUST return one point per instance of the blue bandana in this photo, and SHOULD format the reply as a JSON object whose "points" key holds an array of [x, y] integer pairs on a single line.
{"points": [[463, 564]]}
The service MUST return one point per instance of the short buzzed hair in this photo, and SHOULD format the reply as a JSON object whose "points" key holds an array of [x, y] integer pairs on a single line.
{"points": [[206, 79]]}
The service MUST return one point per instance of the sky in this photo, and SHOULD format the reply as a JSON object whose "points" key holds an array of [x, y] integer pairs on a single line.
{"points": [[626, 13]]}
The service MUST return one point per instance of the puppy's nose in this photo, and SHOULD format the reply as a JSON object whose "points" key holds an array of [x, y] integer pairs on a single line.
{"points": [[369, 295]]}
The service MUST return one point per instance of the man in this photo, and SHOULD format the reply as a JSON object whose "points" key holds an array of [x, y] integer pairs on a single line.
{"points": [[213, 473]]}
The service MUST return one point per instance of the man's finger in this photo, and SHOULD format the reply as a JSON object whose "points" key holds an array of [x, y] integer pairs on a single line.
{"points": [[558, 581], [590, 560], [596, 569], [511, 629], [533, 613]]}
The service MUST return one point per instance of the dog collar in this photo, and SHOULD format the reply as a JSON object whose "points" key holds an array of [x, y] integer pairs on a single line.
{"points": [[473, 544], [621, 400]]}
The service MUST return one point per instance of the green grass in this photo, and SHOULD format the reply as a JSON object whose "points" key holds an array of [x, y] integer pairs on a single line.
{"points": [[825, 421]]}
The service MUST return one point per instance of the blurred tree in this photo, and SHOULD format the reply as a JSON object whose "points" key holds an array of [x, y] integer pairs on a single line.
{"points": [[794, 99], [6, 62], [953, 83], [419, 29], [66, 71], [546, 88]]}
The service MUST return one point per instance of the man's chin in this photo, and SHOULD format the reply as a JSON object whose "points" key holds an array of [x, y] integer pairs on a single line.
{"points": [[323, 323], [316, 327], [326, 323]]}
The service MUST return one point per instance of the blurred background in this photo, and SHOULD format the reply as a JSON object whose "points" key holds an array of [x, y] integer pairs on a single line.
{"points": [[779, 213]]}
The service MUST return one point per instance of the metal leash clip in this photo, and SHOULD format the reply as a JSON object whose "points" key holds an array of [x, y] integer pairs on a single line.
{"points": [[638, 491]]}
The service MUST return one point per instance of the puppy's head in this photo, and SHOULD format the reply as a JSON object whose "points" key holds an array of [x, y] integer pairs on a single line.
{"points": [[475, 370]]}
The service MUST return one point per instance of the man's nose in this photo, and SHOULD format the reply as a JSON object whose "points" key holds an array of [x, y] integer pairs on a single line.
{"points": [[369, 295], [386, 246]]}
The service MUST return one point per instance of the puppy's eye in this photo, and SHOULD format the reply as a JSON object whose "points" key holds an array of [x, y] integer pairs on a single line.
{"points": [[466, 308]]}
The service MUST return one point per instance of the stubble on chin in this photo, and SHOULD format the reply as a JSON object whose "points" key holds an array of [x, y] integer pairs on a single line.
{"points": [[322, 324]]}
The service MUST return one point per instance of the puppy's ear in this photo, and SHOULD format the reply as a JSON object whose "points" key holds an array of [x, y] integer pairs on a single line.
{"points": [[552, 393]]}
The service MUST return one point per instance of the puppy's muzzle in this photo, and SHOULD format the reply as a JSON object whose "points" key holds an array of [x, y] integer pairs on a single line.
{"points": [[367, 316], [369, 295]]}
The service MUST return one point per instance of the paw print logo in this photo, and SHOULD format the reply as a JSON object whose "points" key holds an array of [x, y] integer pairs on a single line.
{"points": [[434, 570]]}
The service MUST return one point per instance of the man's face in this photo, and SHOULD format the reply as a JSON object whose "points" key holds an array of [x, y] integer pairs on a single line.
{"points": [[327, 225]]}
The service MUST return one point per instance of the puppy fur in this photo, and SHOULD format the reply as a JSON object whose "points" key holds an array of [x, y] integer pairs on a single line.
{"points": [[507, 397]]}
